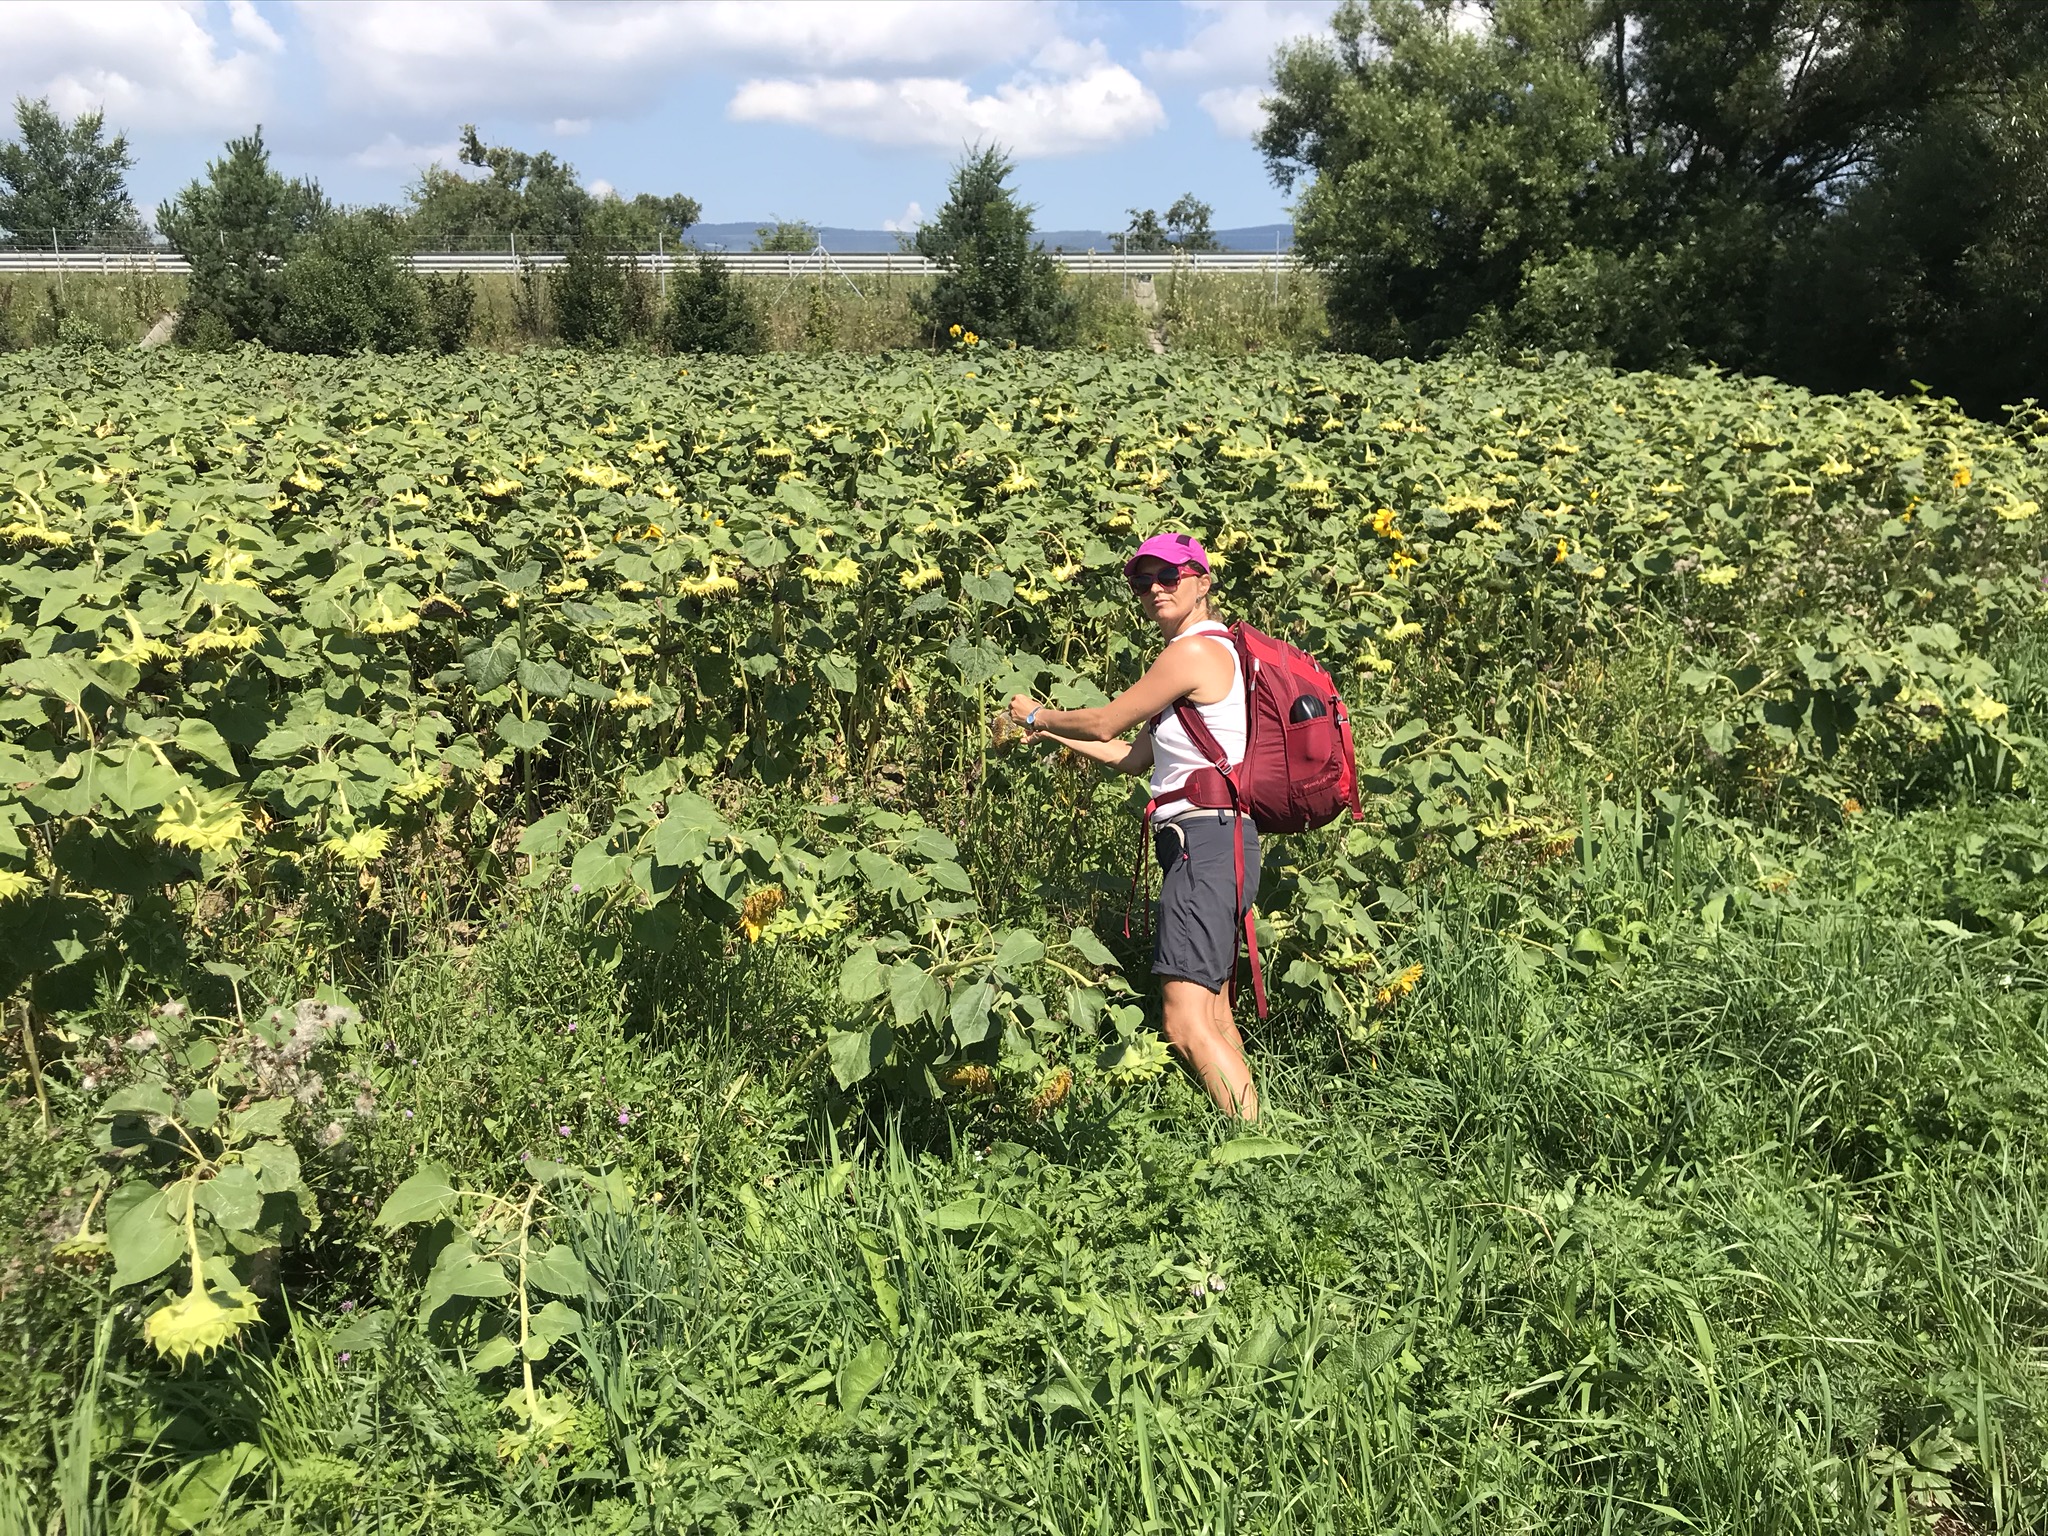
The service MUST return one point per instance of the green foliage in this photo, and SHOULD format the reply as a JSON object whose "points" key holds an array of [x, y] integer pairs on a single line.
{"points": [[450, 310], [599, 302], [1186, 229], [1441, 162], [995, 282], [753, 1124], [786, 235], [710, 311], [1837, 197], [645, 222], [237, 228], [207, 1137], [1838, 568], [346, 289], [64, 182], [535, 202]]}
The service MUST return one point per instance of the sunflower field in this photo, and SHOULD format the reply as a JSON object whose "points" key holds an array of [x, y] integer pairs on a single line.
{"points": [[540, 994]]}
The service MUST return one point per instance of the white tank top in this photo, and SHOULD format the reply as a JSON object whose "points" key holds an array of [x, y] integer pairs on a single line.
{"points": [[1174, 754]]}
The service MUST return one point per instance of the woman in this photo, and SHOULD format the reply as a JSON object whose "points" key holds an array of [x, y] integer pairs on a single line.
{"points": [[1195, 946]]}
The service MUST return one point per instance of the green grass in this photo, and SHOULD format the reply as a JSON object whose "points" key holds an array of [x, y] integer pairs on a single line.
{"points": [[1743, 1232]]}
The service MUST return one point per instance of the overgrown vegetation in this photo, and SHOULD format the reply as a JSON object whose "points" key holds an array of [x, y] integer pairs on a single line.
{"points": [[533, 202], [553, 1013], [1848, 196], [345, 291], [64, 181], [708, 311], [994, 281], [238, 228]]}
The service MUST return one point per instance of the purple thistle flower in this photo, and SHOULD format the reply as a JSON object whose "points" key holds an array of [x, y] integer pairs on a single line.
{"points": [[562, 1130], [625, 1118], [408, 1114], [342, 1358], [348, 1306]]}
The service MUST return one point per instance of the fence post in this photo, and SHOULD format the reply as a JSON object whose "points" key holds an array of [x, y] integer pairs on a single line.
{"points": [[57, 251]]}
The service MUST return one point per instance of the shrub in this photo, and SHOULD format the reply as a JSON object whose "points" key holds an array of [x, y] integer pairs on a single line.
{"points": [[235, 228], [451, 310], [709, 312], [599, 302], [346, 291], [996, 283]]}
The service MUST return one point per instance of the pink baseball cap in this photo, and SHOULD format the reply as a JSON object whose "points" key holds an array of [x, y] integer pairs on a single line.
{"points": [[1176, 549]]}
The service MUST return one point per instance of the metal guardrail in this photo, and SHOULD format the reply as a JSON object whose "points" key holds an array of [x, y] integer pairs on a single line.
{"points": [[755, 263]]}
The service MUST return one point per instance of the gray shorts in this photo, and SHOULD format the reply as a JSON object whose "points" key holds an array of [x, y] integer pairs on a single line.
{"points": [[1200, 922]]}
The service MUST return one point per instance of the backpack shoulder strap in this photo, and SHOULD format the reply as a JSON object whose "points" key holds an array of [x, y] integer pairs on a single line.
{"points": [[1199, 733]]}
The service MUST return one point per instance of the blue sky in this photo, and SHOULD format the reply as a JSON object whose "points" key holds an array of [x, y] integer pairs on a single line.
{"points": [[842, 113]]}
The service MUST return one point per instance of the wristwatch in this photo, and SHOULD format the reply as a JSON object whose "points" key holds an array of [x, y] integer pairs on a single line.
{"points": [[1030, 720]]}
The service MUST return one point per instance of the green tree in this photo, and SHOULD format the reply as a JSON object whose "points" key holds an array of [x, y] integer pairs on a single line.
{"points": [[710, 311], [1440, 162], [1187, 224], [1185, 228], [236, 228], [600, 299], [786, 235], [1142, 234], [1841, 191], [346, 289], [994, 280], [450, 310], [71, 180], [644, 222], [535, 200]]}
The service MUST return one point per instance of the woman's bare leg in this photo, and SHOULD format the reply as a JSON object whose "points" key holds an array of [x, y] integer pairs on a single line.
{"points": [[1199, 1027], [1226, 1025]]}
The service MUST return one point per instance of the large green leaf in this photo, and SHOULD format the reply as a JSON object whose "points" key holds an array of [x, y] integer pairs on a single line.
{"points": [[970, 1011], [913, 993], [232, 1198], [856, 1053], [863, 1372], [863, 976], [492, 666], [144, 1235], [460, 1272], [427, 1196], [1244, 1148], [558, 1271], [1019, 948]]}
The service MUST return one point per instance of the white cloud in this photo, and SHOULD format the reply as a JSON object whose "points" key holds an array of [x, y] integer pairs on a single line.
{"points": [[599, 187], [545, 58], [907, 222], [392, 153], [1471, 16], [1235, 43], [569, 126], [151, 64], [1235, 109], [247, 23], [1030, 116]]}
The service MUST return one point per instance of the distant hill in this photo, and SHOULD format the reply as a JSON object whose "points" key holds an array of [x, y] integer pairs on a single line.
{"points": [[854, 242]]}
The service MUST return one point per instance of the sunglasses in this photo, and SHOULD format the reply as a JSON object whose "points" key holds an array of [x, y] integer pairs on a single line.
{"points": [[1167, 577]]}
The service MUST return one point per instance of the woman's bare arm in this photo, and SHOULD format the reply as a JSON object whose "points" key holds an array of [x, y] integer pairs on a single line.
{"points": [[1180, 671], [1133, 757]]}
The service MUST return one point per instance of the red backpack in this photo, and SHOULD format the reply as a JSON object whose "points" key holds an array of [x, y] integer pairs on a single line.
{"points": [[1297, 773]]}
